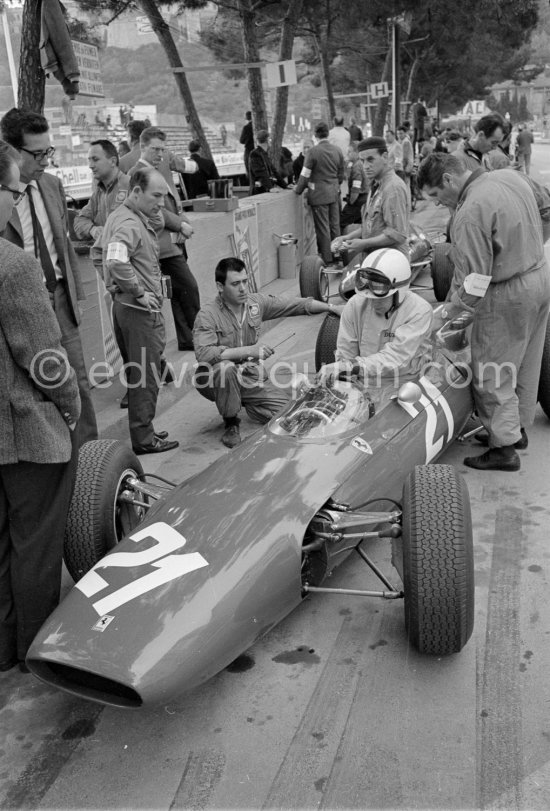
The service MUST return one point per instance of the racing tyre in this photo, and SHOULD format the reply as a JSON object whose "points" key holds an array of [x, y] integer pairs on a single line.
{"points": [[442, 270], [313, 282], [438, 568], [97, 521], [544, 379], [325, 345]]}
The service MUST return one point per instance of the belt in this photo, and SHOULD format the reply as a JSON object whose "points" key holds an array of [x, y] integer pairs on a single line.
{"points": [[516, 275]]}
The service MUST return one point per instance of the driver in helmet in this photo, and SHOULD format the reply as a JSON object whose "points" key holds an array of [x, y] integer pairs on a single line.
{"points": [[384, 331]]}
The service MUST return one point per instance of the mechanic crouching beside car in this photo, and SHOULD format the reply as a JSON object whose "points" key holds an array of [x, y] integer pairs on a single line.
{"points": [[501, 276], [384, 333], [226, 335]]}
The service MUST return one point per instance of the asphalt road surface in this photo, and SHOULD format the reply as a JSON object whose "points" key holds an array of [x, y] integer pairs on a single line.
{"points": [[332, 709]]}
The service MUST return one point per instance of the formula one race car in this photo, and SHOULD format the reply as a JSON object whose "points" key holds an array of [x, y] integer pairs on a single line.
{"points": [[175, 582]]}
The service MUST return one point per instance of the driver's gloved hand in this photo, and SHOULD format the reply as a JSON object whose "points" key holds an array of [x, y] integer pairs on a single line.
{"points": [[341, 370]]}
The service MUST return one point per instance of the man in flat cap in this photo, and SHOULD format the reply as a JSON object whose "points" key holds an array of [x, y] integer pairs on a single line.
{"points": [[385, 215]]}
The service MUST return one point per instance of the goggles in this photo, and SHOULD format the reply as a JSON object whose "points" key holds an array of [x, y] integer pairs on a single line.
{"points": [[377, 283]]}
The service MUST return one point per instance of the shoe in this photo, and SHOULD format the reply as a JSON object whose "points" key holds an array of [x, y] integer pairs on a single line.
{"points": [[23, 667], [161, 434], [124, 401], [156, 446], [165, 373], [520, 445], [495, 459], [7, 665], [231, 436]]}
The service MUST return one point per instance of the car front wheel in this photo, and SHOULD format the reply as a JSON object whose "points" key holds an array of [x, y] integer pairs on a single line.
{"points": [[313, 281], [544, 379], [98, 517], [438, 570]]}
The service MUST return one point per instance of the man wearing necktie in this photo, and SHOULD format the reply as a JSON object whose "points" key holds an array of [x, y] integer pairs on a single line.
{"points": [[39, 225], [385, 215]]}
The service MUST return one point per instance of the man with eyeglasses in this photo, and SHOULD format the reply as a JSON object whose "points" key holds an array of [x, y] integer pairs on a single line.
{"points": [[39, 224], [39, 409], [185, 301]]}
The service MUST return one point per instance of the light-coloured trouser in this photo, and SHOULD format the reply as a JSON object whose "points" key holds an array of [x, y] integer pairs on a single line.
{"points": [[225, 384], [507, 344]]}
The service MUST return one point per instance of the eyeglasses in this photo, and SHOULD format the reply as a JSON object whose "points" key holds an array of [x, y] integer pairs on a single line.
{"points": [[39, 154], [377, 282], [16, 194]]}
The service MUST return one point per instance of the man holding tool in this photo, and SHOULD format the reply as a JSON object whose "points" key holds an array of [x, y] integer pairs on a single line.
{"points": [[226, 335]]}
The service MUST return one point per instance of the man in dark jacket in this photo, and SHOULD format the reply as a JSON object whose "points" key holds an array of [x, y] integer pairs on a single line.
{"points": [[39, 410], [197, 183], [322, 174], [263, 175], [247, 138], [40, 226]]}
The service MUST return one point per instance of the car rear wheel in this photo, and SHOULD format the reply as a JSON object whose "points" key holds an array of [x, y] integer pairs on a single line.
{"points": [[442, 270], [313, 282], [325, 346], [98, 519], [544, 379], [438, 570]]}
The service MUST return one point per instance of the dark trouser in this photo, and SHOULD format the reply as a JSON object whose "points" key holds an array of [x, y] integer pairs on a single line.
{"points": [[326, 219], [226, 385], [185, 299], [70, 340], [351, 213], [141, 334], [34, 500]]}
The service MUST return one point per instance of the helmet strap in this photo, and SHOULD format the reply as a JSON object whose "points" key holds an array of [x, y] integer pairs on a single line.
{"points": [[396, 304]]}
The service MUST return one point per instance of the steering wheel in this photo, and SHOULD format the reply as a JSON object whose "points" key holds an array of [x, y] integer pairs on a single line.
{"points": [[311, 412]]}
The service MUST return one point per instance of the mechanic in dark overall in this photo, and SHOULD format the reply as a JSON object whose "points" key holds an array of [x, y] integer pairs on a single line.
{"points": [[501, 276], [384, 333], [226, 337]]}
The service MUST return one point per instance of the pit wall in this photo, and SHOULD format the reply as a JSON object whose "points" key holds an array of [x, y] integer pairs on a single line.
{"points": [[252, 231]]}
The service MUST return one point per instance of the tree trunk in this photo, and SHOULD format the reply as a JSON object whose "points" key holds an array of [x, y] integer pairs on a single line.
{"points": [[328, 83], [32, 80], [281, 98], [410, 84], [162, 30], [254, 75], [382, 104]]}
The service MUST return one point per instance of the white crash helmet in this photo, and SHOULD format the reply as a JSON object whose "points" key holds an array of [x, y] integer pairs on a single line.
{"points": [[383, 273]]}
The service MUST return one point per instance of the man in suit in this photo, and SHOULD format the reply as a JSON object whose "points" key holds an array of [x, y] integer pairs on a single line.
{"points": [[185, 299], [39, 409], [40, 226], [197, 183], [321, 175], [263, 174], [247, 138]]}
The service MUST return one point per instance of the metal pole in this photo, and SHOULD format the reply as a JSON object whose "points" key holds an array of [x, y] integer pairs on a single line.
{"points": [[9, 51], [396, 90]]}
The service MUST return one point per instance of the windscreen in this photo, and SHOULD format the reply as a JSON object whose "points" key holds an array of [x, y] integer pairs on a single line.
{"points": [[323, 411]]}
